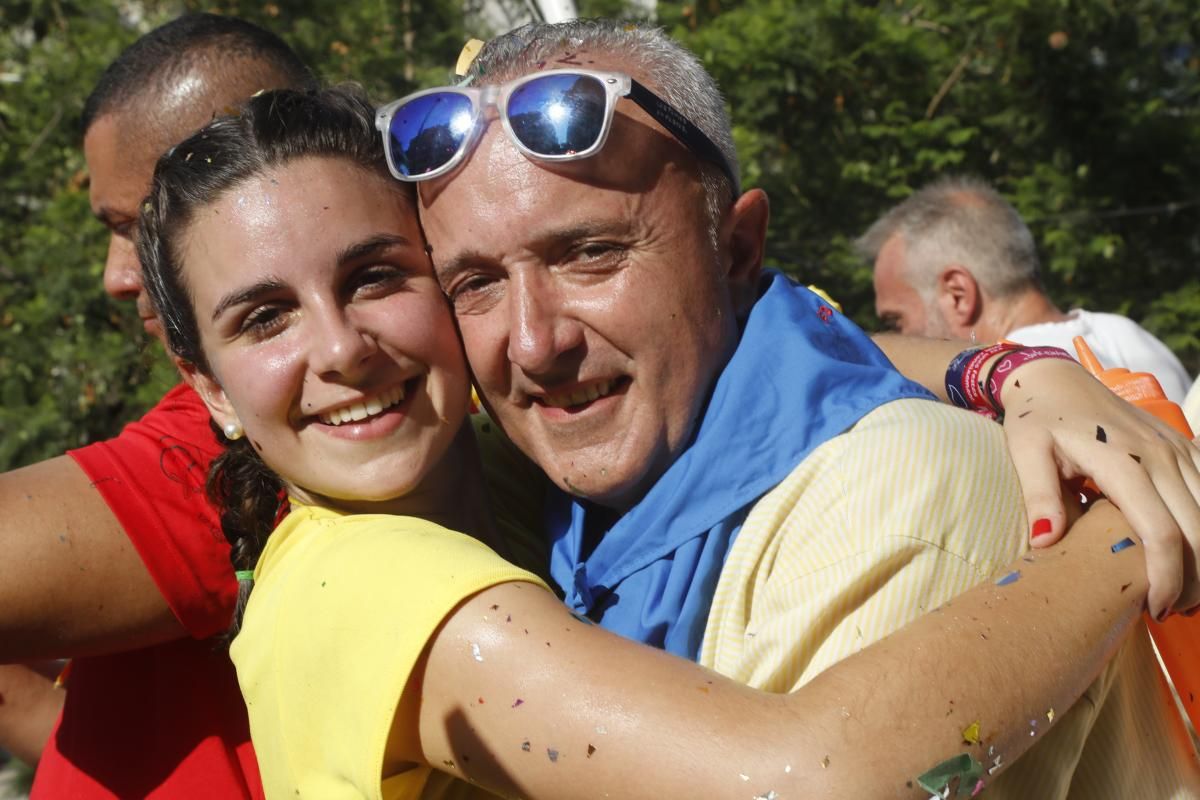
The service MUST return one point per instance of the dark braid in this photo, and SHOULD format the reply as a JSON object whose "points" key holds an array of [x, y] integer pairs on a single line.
{"points": [[271, 130], [247, 493]]}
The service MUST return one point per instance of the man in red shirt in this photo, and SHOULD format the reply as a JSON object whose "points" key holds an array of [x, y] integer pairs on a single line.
{"points": [[151, 709]]}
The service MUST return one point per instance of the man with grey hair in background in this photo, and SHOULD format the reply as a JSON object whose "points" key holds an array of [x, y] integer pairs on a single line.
{"points": [[956, 261], [743, 478]]}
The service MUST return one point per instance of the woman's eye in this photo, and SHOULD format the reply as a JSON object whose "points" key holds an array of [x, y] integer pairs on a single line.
{"points": [[377, 279], [264, 320]]}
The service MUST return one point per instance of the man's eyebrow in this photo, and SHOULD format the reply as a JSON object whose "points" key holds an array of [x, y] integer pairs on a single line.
{"points": [[247, 294], [551, 240], [371, 246]]}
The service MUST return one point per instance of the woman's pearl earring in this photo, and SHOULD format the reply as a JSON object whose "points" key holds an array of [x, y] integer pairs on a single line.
{"points": [[233, 431]]}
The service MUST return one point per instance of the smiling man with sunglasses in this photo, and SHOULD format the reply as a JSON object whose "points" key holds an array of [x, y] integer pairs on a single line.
{"points": [[744, 478]]}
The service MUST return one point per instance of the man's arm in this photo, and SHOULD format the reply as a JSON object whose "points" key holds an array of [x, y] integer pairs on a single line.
{"points": [[31, 704], [71, 582]]}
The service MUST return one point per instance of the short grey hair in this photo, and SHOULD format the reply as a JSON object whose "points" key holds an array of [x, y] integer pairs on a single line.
{"points": [[671, 70], [959, 219]]}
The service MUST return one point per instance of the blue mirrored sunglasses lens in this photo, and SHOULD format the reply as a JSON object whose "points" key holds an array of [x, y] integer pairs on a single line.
{"points": [[558, 115], [427, 132]]}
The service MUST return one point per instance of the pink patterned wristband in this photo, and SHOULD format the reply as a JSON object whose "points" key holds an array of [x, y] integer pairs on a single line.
{"points": [[1008, 362], [972, 384]]}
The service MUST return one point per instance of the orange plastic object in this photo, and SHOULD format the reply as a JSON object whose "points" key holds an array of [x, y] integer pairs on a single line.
{"points": [[1177, 639]]}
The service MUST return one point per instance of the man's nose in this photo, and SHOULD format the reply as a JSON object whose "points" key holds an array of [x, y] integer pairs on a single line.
{"points": [[122, 271], [543, 328]]}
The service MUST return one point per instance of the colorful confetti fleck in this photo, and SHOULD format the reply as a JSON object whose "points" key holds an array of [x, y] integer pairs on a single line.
{"points": [[1123, 544], [970, 733], [1011, 577], [518, 702], [825, 762], [1050, 715], [525, 745], [552, 754], [475, 652], [1101, 436], [962, 767], [591, 750], [744, 776], [978, 788], [771, 795]]}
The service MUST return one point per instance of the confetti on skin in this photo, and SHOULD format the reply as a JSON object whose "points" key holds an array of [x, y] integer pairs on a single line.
{"points": [[970, 733], [962, 766], [525, 745], [600, 729], [518, 702], [771, 795], [825, 762], [1023, 416], [1101, 436], [552, 754], [1033, 727], [1011, 577], [978, 788], [1050, 715], [1136, 458], [744, 776], [475, 652], [591, 750], [1123, 544], [1126, 586]]}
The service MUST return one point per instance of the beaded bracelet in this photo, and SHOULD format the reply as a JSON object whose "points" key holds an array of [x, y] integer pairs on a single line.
{"points": [[964, 383], [1008, 362]]}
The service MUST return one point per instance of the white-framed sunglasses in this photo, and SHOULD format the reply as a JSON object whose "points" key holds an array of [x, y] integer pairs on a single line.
{"points": [[558, 115]]}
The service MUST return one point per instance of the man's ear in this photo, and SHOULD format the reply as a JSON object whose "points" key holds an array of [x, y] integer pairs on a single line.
{"points": [[959, 299], [210, 392], [746, 223]]}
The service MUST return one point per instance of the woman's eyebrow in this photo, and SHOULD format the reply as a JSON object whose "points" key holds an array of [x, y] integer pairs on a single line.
{"points": [[247, 294], [370, 246]]}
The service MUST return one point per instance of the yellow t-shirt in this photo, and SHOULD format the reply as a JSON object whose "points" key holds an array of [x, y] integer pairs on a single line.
{"points": [[914, 505], [342, 608]]}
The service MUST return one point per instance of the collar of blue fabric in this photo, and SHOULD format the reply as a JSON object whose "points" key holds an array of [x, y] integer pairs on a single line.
{"points": [[801, 374]]}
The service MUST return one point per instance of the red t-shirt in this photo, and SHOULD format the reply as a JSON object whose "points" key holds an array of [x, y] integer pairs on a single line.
{"points": [[167, 721]]}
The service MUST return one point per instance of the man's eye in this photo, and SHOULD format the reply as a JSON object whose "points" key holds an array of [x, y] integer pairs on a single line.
{"points": [[469, 286], [597, 250]]}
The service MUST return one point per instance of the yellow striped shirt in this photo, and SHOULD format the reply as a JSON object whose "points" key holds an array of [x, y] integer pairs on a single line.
{"points": [[914, 505]]}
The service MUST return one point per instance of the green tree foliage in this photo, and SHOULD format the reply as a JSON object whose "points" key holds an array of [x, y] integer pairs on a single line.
{"points": [[1086, 113]]}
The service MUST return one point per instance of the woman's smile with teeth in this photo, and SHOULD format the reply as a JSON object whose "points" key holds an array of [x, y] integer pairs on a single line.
{"points": [[356, 412]]}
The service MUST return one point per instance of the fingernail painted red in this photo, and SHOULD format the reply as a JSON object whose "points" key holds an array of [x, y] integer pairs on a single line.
{"points": [[1041, 527]]}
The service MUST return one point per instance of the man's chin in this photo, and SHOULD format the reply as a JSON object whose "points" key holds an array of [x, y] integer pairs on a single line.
{"points": [[154, 328]]}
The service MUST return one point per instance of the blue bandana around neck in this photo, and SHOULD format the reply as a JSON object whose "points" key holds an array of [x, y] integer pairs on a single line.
{"points": [[801, 374]]}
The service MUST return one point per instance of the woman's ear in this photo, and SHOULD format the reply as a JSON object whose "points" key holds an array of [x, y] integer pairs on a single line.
{"points": [[210, 392]]}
